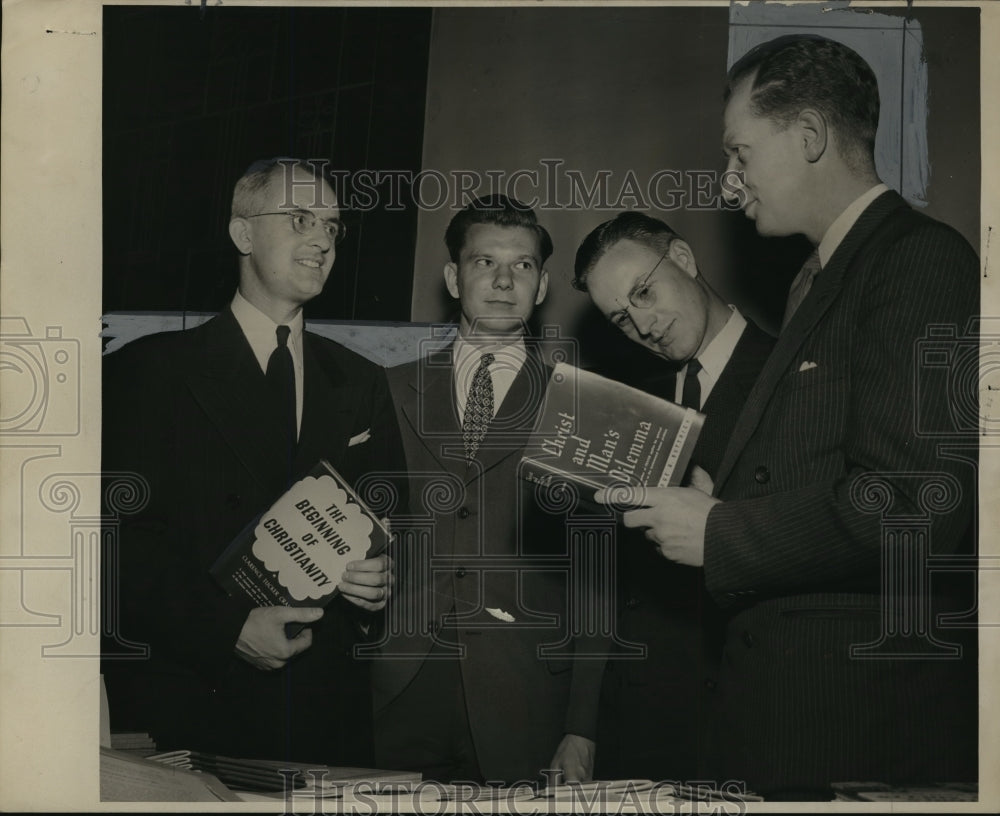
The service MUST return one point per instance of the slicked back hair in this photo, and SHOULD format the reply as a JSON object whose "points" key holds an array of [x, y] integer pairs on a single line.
{"points": [[627, 226], [800, 71], [501, 211]]}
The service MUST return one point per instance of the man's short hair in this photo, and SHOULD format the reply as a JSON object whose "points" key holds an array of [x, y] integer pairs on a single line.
{"points": [[252, 189], [499, 210], [630, 226], [808, 71]]}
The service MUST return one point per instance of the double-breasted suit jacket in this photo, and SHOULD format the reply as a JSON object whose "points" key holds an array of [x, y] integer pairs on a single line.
{"points": [[487, 538], [186, 411], [839, 443]]}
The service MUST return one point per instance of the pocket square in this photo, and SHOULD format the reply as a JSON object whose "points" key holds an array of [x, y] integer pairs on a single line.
{"points": [[364, 436], [807, 365], [499, 614]]}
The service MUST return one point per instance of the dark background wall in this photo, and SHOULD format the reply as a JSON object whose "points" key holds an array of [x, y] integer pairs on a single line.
{"points": [[614, 90], [627, 89], [191, 98]]}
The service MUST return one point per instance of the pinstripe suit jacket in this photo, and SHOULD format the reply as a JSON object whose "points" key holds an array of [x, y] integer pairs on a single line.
{"points": [[796, 549]]}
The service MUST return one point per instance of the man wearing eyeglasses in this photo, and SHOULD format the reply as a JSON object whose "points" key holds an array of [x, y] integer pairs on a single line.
{"points": [[645, 280], [219, 420], [846, 657]]}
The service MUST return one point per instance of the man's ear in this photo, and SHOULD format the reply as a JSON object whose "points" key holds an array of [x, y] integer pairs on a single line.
{"points": [[543, 286], [451, 279], [682, 256], [239, 232], [813, 128]]}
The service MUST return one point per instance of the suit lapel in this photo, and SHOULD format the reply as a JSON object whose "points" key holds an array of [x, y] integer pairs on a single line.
{"points": [[227, 382], [429, 409], [431, 412], [741, 371], [329, 406], [822, 295], [515, 419]]}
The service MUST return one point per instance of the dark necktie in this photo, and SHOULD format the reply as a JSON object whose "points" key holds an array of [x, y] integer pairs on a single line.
{"points": [[478, 408], [281, 383], [801, 285], [691, 394]]}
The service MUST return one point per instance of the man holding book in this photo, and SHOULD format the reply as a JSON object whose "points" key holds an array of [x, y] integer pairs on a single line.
{"points": [[218, 420], [645, 279], [837, 662], [465, 690]]}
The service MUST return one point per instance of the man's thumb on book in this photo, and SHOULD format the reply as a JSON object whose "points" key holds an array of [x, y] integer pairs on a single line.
{"points": [[302, 614]]}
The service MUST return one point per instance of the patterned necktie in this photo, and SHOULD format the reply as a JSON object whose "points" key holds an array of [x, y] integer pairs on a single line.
{"points": [[691, 395], [281, 383], [478, 408], [801, 285]]}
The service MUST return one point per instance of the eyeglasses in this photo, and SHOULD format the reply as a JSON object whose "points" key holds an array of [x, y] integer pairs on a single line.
{"points": [[641, 296], [304, 221]]}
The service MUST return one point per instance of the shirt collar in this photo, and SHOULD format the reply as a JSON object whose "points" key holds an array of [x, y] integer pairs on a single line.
{"points": [[259, 330], [509, 359], [717, 353], [837, 231], [468, 354]]}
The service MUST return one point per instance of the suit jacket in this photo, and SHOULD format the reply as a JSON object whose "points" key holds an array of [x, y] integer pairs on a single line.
{"points": [[796, 550], [186, 411], [653, 710], [482, 530]]}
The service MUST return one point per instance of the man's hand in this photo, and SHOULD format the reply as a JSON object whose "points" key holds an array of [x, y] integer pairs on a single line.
{"points": [[674, 518], [701, 480], [368, 583], [262, 642], [575, 758]]}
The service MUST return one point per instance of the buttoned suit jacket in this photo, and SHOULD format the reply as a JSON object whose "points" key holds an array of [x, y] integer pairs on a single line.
{"points": [[186, 412], [796, 551], [654, 710], [483, 529]]}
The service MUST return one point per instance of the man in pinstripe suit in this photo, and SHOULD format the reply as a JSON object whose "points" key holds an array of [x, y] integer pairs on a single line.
{"points": [[828, 675]]}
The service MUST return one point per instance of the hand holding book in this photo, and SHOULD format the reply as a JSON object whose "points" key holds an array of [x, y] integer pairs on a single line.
{"points": [[699, 478], [674, 517], [367, 583], [263, 641], [318, 540]]}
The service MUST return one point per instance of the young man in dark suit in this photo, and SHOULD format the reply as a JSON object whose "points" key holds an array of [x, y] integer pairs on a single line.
{"points": [[644, 279], [465, 691], [836, 666], [196, 414]]}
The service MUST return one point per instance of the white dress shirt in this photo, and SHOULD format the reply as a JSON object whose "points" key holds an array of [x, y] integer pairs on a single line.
{"points": [[838, 230], [714, 358], [508, 360], [261, 332]]}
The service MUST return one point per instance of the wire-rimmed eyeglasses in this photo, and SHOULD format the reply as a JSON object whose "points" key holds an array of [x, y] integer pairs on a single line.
{"points": [[642, 295], [304, 221]]}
